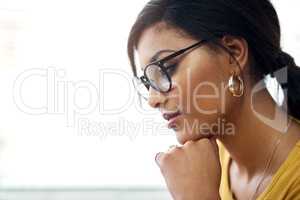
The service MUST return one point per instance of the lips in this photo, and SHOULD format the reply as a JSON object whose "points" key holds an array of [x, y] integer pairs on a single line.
{"points": [[169, 116]]}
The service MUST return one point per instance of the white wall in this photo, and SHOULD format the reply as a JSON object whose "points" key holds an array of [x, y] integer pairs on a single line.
{"points": [[75, 40]]}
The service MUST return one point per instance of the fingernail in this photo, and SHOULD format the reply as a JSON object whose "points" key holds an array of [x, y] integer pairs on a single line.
{"points": [[157, 158]]}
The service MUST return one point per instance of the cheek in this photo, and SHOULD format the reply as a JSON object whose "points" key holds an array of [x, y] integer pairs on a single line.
{"points": [[201, 88], [203, 98], [205, 91]]}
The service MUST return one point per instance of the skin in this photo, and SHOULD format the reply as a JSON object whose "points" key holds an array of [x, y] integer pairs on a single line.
{"points": [[192, 171]]}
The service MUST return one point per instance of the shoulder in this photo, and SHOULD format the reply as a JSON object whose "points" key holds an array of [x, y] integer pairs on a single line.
{"points": [[286, 181]]}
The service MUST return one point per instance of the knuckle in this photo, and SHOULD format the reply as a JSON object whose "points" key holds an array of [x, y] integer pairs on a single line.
{"points": [[189, 143], [204, 141], [164, 160], [174, 150]]}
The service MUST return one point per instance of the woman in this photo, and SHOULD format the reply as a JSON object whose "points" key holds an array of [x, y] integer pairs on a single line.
{"points": [[204, 63]]}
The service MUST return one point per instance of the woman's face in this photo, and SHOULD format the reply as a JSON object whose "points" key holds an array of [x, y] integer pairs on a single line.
{"points": [[199, 92]]}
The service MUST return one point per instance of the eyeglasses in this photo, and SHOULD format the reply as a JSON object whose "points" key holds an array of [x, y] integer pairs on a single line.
{"points": [[156, 74]]}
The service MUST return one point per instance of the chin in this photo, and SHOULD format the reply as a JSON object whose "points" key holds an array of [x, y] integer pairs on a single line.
{"points": [[182, 138]]}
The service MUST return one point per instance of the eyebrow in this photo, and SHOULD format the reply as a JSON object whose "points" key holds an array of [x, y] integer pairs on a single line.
{"points": [[155, 57]]}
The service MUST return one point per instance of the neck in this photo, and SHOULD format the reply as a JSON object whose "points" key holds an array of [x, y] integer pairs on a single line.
{"points": [[253, 142]]}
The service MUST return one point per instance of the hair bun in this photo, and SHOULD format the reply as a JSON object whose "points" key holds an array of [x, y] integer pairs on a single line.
{"points": [[284, 59]]}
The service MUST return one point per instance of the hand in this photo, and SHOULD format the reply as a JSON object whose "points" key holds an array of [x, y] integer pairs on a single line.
{"points": [[193, 171]]}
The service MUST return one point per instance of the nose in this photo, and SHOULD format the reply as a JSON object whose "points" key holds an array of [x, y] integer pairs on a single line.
{"points": [[156, 98]]}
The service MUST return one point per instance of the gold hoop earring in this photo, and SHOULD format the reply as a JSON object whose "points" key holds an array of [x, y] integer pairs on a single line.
{"points": [[236, 85]]}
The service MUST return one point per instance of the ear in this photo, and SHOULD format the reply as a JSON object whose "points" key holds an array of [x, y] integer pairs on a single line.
{"points": [[238, 48]]}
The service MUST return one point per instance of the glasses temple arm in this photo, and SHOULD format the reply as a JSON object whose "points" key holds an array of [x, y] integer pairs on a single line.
{"points": [[181, 51]]}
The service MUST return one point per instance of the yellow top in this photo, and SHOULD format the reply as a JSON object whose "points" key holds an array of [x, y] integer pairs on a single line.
{"points": [[285, 182]]}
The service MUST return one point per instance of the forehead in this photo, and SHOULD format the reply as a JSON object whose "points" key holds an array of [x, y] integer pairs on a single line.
{"points": [[158, 38]]}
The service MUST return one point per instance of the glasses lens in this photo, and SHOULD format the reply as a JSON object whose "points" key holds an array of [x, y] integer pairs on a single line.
{"points": [[158, 78], [141, 88]]}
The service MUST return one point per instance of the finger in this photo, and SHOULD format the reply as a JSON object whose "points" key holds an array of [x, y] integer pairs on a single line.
{"points": [[172, 147]]}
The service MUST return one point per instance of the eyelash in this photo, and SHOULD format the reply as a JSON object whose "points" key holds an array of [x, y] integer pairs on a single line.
{"points": [[172, 68]]}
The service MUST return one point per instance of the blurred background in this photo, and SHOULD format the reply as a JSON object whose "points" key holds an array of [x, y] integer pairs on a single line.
{"points": [[71, 124]]}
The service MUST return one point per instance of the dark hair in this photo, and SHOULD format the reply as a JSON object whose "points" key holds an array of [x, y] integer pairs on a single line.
{"points": [[256, 21]]}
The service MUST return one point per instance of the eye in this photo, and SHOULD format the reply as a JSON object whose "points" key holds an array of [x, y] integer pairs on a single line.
{"points": [[171, 68]]}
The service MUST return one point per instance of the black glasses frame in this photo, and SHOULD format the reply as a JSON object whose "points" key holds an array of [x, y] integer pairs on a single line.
{"points": [[160, 63]]}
